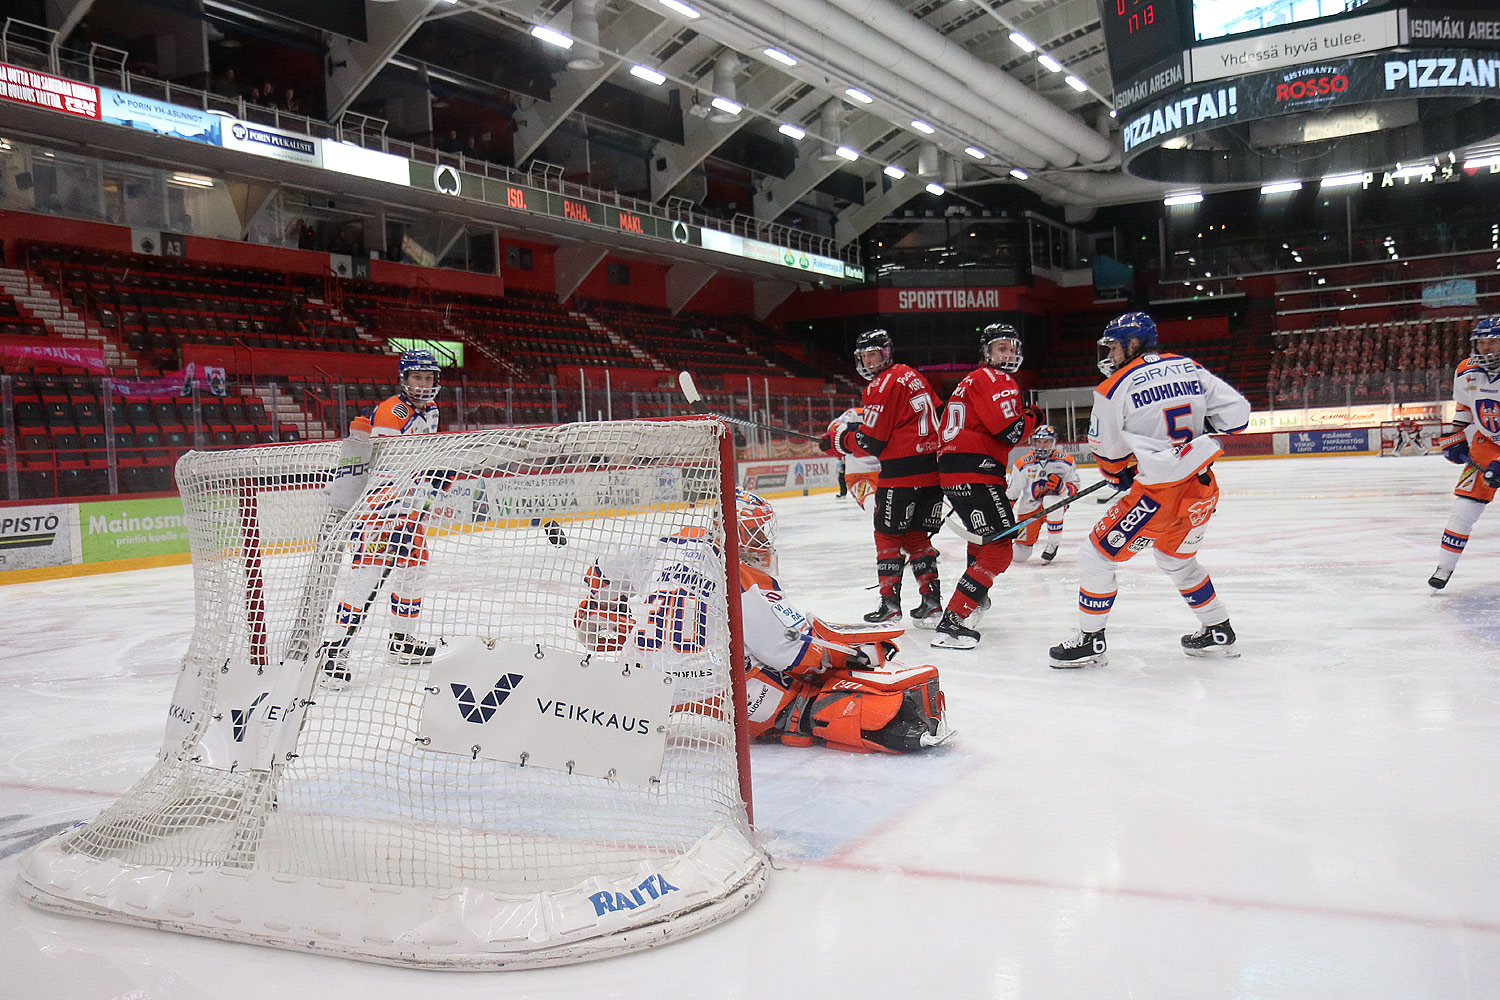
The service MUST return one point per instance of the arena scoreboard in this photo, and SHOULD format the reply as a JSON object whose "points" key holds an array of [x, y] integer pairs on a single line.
{"points": [[1141, 33]]}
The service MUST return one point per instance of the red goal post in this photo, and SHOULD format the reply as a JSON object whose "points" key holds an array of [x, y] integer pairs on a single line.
{"points": [[514, 801]]}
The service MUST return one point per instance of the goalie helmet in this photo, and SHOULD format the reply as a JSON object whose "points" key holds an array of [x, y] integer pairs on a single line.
{"points": [[1044, 439], [757, 520], [419, 361], [1122, 330], [1004, 335], [872, 340], [1487, 329]]}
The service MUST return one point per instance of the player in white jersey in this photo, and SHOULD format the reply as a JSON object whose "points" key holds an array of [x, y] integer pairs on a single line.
{"points": [[806, 680], [1152, 430], [1473, 443], [1042, 476], [858, 473]]}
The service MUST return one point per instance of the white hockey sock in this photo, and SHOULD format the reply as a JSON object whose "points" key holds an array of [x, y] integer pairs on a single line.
{"points": [[1020, 553], [1456, 532], [1097, 587], [1195, 585]]}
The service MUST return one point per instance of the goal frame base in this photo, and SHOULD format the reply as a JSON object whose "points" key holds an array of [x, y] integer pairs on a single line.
{"points": [[462, 928]]}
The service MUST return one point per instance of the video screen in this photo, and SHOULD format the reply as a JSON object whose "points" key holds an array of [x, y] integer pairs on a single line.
{"points": [[1221, 18]]}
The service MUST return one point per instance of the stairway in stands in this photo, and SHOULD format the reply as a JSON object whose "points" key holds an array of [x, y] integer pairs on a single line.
{"points": [[647, 359], [36, 300]]}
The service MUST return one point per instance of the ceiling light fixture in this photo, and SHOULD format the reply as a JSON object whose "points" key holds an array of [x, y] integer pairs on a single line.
{"points": [[792, 131], [1019, 174], [1021, 42], [781, 57], [892, 170], [847, 153], [551, 37], [680, 8], [1076, 83], [1343, 180], [1184, 198], [727, 106], [975, 152], [651, 76], [923, 127], [859, 95], [1052, 64], [936, 189], [1281, 187]]}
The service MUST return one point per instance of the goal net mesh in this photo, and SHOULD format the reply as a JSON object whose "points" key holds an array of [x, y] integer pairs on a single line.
{"points": [[492, 535]]}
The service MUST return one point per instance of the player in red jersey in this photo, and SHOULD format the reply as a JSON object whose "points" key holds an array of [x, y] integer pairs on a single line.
{"points": [[900, 428], [984, 421]]}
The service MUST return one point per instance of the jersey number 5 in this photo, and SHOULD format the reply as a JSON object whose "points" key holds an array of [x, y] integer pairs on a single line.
{"points": [[1173, 415]]}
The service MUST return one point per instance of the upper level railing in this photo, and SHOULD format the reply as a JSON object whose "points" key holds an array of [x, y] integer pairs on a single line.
{"points": [[37, 47]]}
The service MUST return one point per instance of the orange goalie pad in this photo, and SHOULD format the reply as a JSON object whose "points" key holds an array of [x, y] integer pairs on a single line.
{"points": [[895, 710]]}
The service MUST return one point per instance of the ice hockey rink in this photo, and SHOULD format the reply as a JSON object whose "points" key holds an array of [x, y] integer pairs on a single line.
{"points": [[1319, 818]]}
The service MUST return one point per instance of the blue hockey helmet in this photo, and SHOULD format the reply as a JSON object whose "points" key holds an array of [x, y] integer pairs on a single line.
{"points": [[419, 360], [1486, 329], [1122, 330]]}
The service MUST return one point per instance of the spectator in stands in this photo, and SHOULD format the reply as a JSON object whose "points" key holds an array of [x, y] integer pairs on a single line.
{"points": [[227, 85], [253, 97], [450, 143], [289, 101]]}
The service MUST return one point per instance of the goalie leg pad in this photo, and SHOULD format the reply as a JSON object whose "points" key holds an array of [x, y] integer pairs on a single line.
{"points": [[880, 711]]}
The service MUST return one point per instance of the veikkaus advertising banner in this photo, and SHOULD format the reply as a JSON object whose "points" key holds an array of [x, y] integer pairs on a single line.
{"points": [[1315, 87]]}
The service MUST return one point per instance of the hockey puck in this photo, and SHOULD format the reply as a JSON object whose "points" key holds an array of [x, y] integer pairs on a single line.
{"points": [[554, 533]]}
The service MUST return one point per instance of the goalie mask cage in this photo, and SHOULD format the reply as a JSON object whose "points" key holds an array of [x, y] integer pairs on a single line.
{"points": [[1410, 436], [287, 812]]}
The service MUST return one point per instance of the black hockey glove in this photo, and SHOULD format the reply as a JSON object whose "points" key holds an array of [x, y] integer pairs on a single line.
{"points": [[1123, 479], [1458, 452], [1492, 475]]}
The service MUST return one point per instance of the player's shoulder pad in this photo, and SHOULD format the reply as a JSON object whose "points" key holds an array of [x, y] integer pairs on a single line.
{"points": [[754, 576], [1065, 457], [1465, 366]]}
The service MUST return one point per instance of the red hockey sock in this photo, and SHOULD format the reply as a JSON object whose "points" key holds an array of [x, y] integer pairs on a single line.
{"points": [[989, 561], [923, 557], [889, 563]]}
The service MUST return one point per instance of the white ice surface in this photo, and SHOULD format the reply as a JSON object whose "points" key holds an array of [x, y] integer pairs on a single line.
{"points": [[1317, 820]]}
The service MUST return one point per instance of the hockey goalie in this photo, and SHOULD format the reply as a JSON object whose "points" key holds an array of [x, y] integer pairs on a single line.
{"points": [[807, 680]]}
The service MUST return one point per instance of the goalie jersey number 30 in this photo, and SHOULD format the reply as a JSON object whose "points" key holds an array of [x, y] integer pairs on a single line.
{"points": [[539, 707]]}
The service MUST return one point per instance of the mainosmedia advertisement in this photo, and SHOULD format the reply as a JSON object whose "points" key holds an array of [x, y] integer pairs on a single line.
{"points": [[131, 529]]}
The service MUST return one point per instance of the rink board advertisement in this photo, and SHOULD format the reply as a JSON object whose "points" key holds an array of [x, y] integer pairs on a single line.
{"points": [[1360, 440], [37, 537], [132, 529], [789, 476]]}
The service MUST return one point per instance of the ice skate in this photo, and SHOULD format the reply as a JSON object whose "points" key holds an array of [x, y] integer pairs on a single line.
{"points": [[1211, 640], [1439, 578], [1049, 553], [410, 652], [977, 615], [953, 633], [1084, 649], [889, 610], [334, 669], [929, 612]]}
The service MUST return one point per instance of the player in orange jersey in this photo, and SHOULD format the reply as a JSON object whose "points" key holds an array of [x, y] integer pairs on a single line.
{"points": [[391, 541]]}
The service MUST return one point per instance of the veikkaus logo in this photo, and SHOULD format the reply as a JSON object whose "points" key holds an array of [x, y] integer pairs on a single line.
{"points": [[481, 710]]}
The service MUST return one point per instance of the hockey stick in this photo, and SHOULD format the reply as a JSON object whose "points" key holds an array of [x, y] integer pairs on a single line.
{"points": [[695, 403], [963, 532]]}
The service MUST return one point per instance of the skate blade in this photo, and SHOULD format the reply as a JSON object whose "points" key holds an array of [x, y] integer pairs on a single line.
{"points": [[946, 641], [1215, 653], [1087, 661], [931, 621]]}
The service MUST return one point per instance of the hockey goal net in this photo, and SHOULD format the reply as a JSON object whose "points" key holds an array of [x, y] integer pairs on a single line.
{"points": [[508, 799], [1410, 436]]}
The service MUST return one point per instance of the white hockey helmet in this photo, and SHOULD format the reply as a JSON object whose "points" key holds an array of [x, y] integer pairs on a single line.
{"points": [[757, 520]]}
